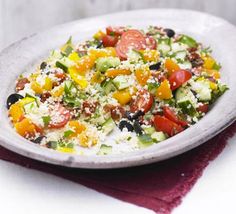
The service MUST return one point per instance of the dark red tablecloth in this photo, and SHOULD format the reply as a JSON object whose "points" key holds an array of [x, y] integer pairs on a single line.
{"points": [[159, 186]]}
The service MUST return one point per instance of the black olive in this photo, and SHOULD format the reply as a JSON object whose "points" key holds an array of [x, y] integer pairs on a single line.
{"points": [[133, 116], [43, 65], [137, 127], [126, 124], [51, 144], [13, 98], [169, 32], [38, 139], [155, 66], [99, 45]]}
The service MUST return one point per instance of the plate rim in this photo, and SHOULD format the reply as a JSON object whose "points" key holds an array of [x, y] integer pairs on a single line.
{"points": [[96, 162]]}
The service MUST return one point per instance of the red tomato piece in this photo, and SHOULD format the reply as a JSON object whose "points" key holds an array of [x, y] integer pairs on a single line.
{"points": [[20, 85], [168, 113], [89, 108], [178, 78], [60, 75], [151, 43], [167, 126], [109, 41], [117, 31], [143, 101], [131, 39], [117, 112], [203, 108], [59, 116]]}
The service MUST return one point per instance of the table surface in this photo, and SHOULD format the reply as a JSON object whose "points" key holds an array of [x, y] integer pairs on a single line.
{"points": [[24, 191]]}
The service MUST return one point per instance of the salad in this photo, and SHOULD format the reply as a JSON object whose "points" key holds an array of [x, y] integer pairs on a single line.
{"points": [[122, 90]]}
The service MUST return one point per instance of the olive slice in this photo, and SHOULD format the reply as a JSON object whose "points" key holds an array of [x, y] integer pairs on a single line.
{"points": [[137, 127], [155, 66], [126, 124], [38, 139], [169, 32], [43, 65], [133, 116], [13, 98]]}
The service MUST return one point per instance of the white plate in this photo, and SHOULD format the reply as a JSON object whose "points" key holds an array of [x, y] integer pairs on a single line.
{"points": [[209, 30]]}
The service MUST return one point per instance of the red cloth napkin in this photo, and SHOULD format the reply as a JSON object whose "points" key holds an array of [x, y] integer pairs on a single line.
{"points": [[159, 186]]}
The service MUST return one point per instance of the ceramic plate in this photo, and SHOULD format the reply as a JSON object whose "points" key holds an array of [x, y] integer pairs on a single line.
{"points": [[209, 30]]}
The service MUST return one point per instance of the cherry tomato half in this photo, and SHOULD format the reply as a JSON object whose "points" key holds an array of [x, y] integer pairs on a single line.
{"points": [[109, 41], [131, 39], [167, 126], [151, 43], [178, 78], [59, 117], [168, 113], [115, 31], [203, 108], [143, 101]]}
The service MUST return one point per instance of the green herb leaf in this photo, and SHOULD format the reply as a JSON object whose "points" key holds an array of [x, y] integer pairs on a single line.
{"points": [[216, 67], [46, 120], [71, 101], [188, 41], [68, 133], [152, 86], [69, 41]]}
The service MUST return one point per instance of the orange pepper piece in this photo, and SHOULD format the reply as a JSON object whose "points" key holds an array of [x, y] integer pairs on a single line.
{"points": [[150, 55], [171, 66], [142, 76], [85, 63], [105, 52], [123, 97], [97, 77], [25, 128], [115, 72], [215, 74], [163, 91], [16, 112], [209, 62], [77, 127]]}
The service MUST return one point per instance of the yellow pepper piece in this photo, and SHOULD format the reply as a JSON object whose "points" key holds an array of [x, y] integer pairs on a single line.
{"points": [[215, 74], [209, 62], [99, 35], [16, 112], [142, 76], [74, 57], [87, 141], [163, 91], [33, 76], [66, 149], [48, 84], [58, 91], [115, 72], [213, 85], [79, 80], [83, 140], [26, 100], [25, 127], [77, 127], [36, 88], [123, 97], [171, 66], [111, 51], [150, 55]]}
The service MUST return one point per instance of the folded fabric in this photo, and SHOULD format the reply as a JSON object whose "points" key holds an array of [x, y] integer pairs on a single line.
{"points": [[160, 186]]}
